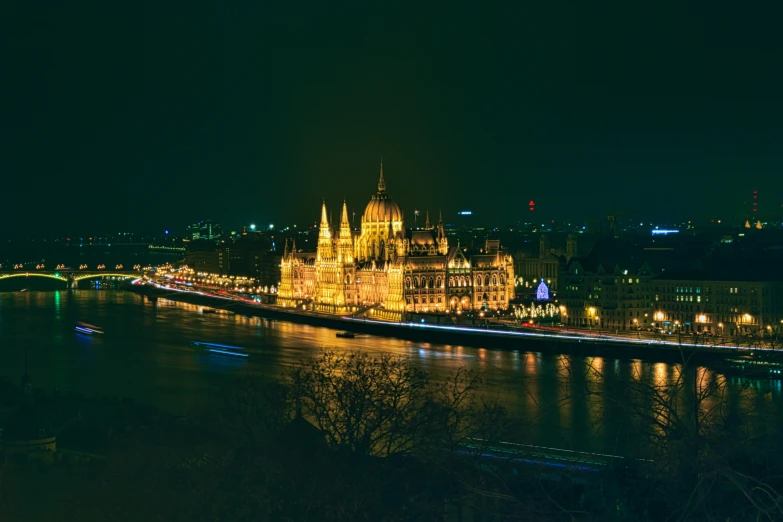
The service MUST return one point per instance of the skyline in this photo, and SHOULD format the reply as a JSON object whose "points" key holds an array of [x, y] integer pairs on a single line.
{"points": [[160, 117]]}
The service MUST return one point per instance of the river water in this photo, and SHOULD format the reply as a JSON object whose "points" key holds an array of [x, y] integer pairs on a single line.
{"points": [[145, 354]]}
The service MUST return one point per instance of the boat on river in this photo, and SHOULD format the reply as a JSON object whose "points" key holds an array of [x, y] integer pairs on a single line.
{"points": [[219, 311], [758, 365], [346, 335], [88, 329], [220, 349]]}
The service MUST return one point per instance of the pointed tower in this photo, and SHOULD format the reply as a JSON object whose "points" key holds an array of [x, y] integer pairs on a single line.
{"points": [[570, 246], [543, 246], [324, 236], [381, 181], [345, 240], [443, 243], [285, 290], [427, 225]]}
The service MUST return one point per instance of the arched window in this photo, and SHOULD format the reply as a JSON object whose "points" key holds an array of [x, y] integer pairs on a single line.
{"points": [[461, 281], [432, 283], [494, 280], [486, 280], [451, 281], [408, 283], [467, 280], [409, 300], [348, 279], [424, 282], [415, 282], [439, 283], [502, 280]]}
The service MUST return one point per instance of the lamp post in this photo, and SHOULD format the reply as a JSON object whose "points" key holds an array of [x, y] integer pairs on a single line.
{"points": [[677, 329], [636, 325], [564, 317]]}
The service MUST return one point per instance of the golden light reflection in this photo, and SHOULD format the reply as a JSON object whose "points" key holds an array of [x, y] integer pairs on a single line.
{"points": [[659, 374], [636, 369]]}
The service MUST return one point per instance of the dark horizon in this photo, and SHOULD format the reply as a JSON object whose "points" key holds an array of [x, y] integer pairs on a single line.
{"points": [[151, 119]]}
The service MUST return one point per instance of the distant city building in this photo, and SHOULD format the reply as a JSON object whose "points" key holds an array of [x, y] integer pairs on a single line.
{"points": [[204, 230], [609, 293], [203, 258], [544, 265], [720, 302], [619, 287], [382, 268]]}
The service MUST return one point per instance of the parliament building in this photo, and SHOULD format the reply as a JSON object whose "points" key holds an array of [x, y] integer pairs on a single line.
{"points": [[383, 271]]}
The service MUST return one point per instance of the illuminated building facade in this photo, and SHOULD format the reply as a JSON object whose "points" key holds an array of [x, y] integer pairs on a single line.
{"points": [[204, 230], [609, 296], [720, 307], [378, 269], [618, 291]]}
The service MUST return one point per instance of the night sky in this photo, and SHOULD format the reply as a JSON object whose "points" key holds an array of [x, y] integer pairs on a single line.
{"points": [[146, 118]]}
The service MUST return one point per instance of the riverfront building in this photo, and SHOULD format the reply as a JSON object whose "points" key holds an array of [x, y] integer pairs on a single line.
{"points": [[620, 288], [610, 295], [720, 304], [386, 270]]}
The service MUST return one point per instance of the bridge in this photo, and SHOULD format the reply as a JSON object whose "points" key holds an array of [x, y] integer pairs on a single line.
{"points": [[72, 277]]}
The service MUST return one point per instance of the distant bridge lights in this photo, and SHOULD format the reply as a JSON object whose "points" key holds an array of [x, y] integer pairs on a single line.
{"points": [[40, 267], [137, 267], [82, 267], [18, 267], [118, 267], [101, 267], [60, 267]]}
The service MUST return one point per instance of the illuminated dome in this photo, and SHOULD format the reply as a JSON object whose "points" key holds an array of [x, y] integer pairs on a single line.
{"points": [[382, 207]]}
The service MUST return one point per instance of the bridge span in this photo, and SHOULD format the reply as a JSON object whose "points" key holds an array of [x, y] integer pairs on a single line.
{"points": [[72, 278]]}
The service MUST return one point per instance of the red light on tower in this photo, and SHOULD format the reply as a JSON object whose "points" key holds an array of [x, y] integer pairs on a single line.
{"points": [[755, 201], [532, 205]]}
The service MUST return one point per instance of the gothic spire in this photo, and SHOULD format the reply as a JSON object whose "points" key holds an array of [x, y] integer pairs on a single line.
{"points": [[441, 231], [381, 181], [427, 224], [345, 225], [344, 218], [324, 219], [324, 226]]}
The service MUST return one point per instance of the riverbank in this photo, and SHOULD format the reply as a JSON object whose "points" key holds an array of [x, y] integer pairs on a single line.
{"points": [[477, 337]]}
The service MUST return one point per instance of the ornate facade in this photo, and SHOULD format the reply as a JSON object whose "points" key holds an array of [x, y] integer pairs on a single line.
{"points": [[380, 270]]}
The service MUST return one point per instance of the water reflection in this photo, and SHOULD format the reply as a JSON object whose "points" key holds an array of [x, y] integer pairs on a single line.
{"points": [[564, 400]]}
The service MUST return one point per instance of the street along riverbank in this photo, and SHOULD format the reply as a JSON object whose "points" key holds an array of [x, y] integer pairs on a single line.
{"points": [[478, 337]]}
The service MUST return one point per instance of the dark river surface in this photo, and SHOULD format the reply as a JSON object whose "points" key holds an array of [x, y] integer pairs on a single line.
{"points": [[145, 354]]}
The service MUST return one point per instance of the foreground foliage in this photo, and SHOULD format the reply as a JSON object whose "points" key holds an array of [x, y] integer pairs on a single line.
{"points": [[349, 436]]}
